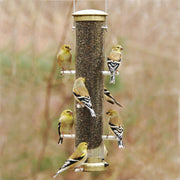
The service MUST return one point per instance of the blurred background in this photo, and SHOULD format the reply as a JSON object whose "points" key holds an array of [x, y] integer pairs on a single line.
{"points": [[31, 97]]}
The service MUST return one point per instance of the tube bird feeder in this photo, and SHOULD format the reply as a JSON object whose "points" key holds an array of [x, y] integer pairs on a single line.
{"points": [[89, 26]]}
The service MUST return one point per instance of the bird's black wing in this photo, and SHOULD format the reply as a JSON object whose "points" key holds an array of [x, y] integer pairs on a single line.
{"points": [[118, 130], [59, 132], [113, 65], [85, 100]]}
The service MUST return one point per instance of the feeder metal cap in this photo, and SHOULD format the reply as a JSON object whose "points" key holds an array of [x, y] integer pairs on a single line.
{"points": [[90, 15]]}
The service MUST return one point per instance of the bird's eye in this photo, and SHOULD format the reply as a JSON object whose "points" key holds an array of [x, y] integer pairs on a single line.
{"points": [[66, 46]]}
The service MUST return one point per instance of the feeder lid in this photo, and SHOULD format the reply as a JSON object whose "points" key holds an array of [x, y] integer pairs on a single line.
{"points": [[89, 15]]}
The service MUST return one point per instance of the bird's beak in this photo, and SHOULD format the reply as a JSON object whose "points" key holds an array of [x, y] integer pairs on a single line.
{"points": [[121, 48], [69, 48]]}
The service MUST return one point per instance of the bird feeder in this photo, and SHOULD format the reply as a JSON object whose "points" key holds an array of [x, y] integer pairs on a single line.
{"points": [[89, 26]]}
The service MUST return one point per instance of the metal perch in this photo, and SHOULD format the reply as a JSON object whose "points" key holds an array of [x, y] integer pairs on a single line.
{"points": [[104, 137], [73, 72]]}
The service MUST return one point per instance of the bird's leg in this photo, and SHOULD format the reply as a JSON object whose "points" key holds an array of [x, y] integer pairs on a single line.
{"points": [[120, 143], [60, 141], [107, 135], [62, 71]]}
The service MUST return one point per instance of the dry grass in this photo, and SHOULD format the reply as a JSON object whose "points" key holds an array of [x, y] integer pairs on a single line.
{"points": [[148, 87]]}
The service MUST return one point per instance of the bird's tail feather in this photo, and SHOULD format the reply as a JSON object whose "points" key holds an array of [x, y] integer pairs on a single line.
{"points": [[118, 103], [112, 78], [60, 140], [92, 112], [60, 170], [120, 144]]}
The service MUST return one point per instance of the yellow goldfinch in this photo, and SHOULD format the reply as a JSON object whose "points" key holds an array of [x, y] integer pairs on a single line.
{"points": [[64, 57], [115, 124], [81, 94], [109, 98], [65, 123], [78, 157], [114, 60]]}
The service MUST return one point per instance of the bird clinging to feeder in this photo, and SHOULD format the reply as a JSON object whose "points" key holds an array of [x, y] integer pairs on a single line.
{"points": [[109, 98], [115, 124], [114, 60], [64, 57], [81, 94], [78, 157], [65, 124]]}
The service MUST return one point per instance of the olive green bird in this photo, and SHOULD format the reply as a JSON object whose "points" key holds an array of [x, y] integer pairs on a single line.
{"points": [[65, 124], [64, 57]]}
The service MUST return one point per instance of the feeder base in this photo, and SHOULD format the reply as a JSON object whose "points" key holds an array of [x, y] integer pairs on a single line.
{"points": [[96, 166]]}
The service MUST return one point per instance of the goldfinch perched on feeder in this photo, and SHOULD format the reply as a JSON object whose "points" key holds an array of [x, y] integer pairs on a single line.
{"points": [[78, 157], [114, 60], [81, 94], [64, 57], [109, 98], [115, 124], [65, 123]]}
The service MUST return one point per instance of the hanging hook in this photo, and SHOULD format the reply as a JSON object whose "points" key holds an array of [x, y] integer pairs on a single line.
{"points": [[74, 9], [105, 8]]}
